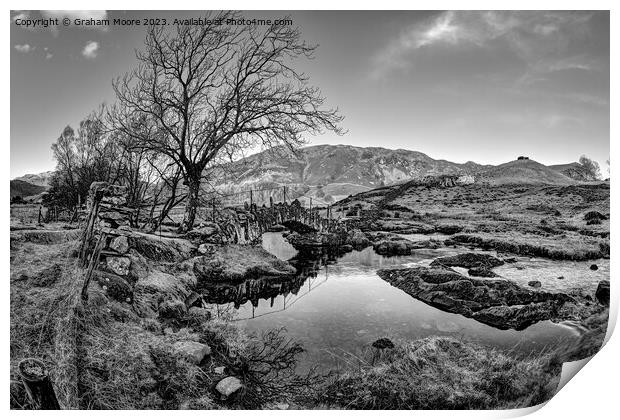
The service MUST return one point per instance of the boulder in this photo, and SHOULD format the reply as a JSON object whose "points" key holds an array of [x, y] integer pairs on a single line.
{"points": [[316, 239], [173, 308], [193, 351], [206, 232], [115, 286], [219, 370], [228, 386], [161, 249], [358, 239], [237, 263], [534, 283], [481, 272], [602, 292], [468, 260], [119, 265], [120, 244], [594, 267]]}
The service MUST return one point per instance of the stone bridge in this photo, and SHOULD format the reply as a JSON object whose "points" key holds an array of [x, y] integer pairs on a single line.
{"points": [[246, 225], [228, 225]]}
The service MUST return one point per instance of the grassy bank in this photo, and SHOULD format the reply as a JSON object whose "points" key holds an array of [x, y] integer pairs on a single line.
{"points": [[102, 354], [445, 373]]}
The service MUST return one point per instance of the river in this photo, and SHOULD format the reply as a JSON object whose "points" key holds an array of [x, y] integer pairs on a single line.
{"points": [[338, 306]]}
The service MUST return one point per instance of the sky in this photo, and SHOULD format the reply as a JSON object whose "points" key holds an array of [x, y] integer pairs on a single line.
{"points": [[461, 86]]}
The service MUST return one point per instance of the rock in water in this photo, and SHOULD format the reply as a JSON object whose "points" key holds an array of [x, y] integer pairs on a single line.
{"points": [[602, 292], [120, 244], [594, 267], [192, 350], [119, 265], [496, 302], [228, 386], [534, 283]]}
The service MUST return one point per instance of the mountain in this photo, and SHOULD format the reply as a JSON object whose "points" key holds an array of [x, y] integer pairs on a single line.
{"points": [[25, 189], [328, 173], [334, 172], [574, 170], [42, 179], [523, 171]]}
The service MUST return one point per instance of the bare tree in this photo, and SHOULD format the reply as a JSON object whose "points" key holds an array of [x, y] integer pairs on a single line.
{"points": [[591, 166], [203, 92]]}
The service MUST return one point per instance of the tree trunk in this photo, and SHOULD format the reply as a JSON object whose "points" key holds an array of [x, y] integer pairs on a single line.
{"points": [[193, 183]]}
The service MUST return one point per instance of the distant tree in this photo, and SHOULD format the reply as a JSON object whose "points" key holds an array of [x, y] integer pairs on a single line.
{"points": [[591, 167], [210, 91], [82, 157]]}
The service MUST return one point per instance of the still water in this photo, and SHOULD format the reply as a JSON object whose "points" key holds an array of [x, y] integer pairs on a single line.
{"points": [[338, 306]]}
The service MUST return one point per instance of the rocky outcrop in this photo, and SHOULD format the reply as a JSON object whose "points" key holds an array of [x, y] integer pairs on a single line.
{"points": [[317, 239], [468, 260], [389, 244], [498, 302], [602, 292], [481, 272], [236, 263]]}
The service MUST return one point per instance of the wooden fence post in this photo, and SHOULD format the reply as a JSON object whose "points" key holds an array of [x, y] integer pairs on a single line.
{"points": [[251, 198], [35, 378], [94, 259]]}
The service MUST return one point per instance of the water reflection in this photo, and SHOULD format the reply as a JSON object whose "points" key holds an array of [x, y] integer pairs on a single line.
{"points": [[337, 305]]}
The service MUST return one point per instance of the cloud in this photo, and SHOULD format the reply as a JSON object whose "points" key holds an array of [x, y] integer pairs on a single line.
{"points": [[24, 48], [556, 121], [90, 49], [48, 56], [541, 39]]}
